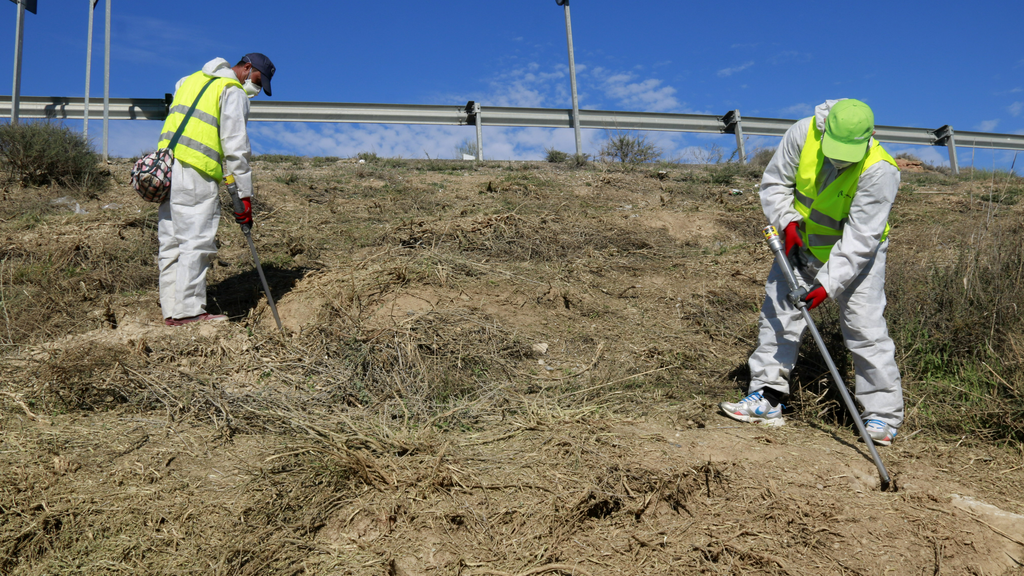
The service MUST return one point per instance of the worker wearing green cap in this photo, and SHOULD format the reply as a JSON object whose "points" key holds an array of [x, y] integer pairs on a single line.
{"points": [[830, 187]]}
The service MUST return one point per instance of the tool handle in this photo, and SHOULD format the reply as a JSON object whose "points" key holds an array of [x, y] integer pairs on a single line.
{"points": [[771, 234], [229, 183]]}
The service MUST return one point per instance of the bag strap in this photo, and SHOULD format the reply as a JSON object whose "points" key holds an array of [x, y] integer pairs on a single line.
{"points": [[181, 127]]}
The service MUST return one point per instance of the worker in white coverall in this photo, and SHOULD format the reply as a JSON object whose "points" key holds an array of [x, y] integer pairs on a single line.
{"points": [[830, 187], [213, 139]]}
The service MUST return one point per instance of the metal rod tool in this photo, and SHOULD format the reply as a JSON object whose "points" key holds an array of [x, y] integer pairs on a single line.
{"points": [[776, 244], [229, 182]]}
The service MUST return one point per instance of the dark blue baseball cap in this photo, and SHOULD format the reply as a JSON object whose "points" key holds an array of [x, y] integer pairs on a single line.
{"points": [[264, 65]]}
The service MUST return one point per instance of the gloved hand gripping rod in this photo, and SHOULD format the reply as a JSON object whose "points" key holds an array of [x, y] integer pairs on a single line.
{"points": [[776, 244], [229, 183]]}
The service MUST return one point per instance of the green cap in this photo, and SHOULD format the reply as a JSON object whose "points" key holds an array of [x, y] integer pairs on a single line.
{"points": [[848, 131]]}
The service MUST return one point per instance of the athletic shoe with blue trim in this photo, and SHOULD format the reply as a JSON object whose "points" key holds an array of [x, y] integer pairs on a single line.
{"points": [[755, 409], [880, 432]]}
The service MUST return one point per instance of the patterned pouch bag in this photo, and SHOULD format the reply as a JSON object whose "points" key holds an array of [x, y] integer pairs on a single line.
{"points": [[151, 176]]}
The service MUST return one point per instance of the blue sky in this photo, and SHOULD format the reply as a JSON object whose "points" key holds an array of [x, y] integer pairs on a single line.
{"points": [[917, 63]]}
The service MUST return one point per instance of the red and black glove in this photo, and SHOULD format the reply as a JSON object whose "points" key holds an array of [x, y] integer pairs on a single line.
{"points": [[810, 297], [245, 216], [792, 237]]}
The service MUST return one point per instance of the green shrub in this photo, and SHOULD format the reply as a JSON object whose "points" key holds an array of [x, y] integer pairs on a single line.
{"points": [[368, 157], [554, 155], [630, 148], [41, 153]]}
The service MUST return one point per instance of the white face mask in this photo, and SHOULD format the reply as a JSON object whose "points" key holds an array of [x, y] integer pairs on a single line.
{"points": [[251, 89], [839, 164]]}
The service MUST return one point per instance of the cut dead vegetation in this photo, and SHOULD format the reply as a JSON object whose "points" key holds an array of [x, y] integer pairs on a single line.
{"points": [[493, 368]]}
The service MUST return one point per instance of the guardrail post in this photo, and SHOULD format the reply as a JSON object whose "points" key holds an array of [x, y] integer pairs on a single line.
{"points": [[945, 135], [19, 30], [733, 123]]}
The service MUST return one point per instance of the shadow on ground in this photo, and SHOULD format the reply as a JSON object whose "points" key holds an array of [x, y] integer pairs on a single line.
{"points": [[239, 294]]}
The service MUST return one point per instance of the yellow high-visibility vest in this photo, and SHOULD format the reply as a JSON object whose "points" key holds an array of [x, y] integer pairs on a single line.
{"points": [[199, 144], [824, 214]]}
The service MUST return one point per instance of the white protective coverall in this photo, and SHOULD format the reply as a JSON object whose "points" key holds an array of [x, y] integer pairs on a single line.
{"points": [[188, 220], [854, 276]]}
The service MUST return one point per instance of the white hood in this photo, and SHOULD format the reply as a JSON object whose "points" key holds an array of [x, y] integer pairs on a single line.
{"points": [[220, 67], [820, 111]]}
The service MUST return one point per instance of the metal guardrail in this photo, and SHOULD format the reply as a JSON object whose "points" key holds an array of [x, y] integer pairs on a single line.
{"points": [[60, 108]]}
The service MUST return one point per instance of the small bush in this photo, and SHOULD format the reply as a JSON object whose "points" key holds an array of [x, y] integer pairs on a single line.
{"points": [[41, 153], [761, 158], [554, 155], [579, 160], [467, 147], [630, 149], [368, 157]]}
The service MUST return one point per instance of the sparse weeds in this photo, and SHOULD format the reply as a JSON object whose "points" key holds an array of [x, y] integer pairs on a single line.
{"points": [[288, 178], [323, 161], [956, 318], [278, 159]]}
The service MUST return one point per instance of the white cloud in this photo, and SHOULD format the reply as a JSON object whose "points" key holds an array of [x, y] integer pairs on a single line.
{"points": [[646, 95], [987, 125], [802, 110], [1016, 108], [724, 72]]}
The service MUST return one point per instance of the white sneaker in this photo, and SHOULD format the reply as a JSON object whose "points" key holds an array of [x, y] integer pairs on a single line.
{"points": [[880, 432], [755, 409]]}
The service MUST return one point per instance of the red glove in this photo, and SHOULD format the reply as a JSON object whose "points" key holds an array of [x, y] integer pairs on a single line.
{"points": [[792, 237], [811, 297], [245, 216]]}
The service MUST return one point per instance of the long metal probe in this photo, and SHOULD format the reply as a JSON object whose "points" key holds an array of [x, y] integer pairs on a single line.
{"points": [[247, 230], [775, 243]]}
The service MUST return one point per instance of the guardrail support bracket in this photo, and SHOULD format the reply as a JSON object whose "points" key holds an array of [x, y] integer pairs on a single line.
{"points": [[732, 124], [473, 115], [945, 135]]}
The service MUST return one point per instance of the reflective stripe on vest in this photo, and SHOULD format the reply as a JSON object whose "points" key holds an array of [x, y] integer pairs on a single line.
{"points": [[199, 145], [824, 214]]}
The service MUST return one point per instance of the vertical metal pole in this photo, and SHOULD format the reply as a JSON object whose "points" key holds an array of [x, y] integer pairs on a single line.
{"points": [[739, 138], [19, 29], [88, 69], [106, 83], [951, 146], [479, 133], [572, 79]]}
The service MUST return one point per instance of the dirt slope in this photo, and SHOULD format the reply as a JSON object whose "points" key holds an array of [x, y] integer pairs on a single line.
{"points": [[502, 369]]}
